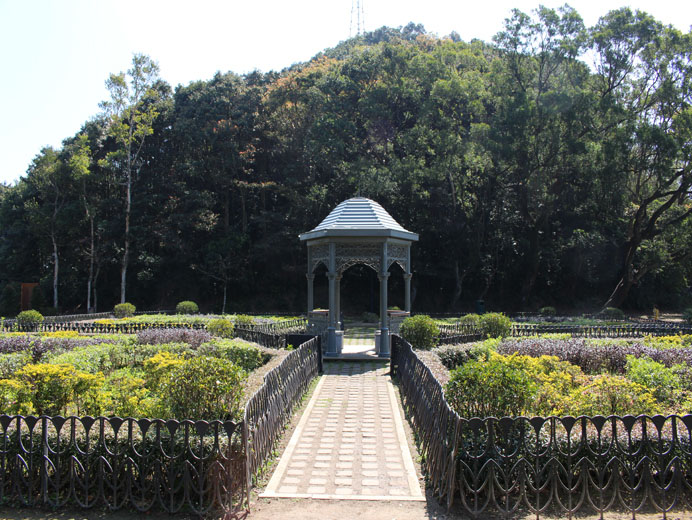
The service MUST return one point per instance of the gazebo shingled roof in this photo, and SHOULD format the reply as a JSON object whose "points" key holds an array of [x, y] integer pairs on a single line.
{"points": [[359, 217]]}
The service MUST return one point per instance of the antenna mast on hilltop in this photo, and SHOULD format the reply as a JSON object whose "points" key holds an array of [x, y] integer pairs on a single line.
{"points": [[357, 8]]}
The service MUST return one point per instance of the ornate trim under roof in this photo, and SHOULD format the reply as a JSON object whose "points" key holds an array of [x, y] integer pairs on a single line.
{"points": [[359, 217]]}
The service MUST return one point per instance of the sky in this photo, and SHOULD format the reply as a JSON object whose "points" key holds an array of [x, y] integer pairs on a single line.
{"points": [[55, 55]]}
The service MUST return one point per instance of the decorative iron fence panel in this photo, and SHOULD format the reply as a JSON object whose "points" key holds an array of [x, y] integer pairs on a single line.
{"points": [[116, 463], [268, 411], [266, 339], [545, 465]]}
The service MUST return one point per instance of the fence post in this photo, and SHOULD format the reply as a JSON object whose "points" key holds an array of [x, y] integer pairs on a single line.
{"points": [[246, 448]]}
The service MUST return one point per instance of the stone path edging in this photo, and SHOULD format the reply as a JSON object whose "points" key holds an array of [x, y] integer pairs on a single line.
{"points": [[350, 443]]}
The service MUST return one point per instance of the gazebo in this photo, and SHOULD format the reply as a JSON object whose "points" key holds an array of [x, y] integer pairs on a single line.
{"points": [[358, 231]]}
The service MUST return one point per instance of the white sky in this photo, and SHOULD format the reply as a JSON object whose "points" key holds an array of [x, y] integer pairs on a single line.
{"points": [[55, 55]]}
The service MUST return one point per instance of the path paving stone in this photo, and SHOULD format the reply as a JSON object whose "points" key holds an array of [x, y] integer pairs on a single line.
{"points": [[350, 442]]}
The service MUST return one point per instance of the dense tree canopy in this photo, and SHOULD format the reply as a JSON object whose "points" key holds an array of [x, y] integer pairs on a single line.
{"points": [[549, 167]]}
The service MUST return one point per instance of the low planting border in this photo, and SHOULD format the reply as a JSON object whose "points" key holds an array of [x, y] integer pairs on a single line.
{"points": [[625, 330], [151, 464], [545, 465]]}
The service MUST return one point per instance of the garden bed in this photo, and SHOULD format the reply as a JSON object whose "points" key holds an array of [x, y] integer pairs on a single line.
{"points": [[559, 375], [170, 373]]}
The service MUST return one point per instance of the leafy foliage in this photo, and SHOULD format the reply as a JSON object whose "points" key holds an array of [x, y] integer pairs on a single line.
{"points": [[124, 310], [495, 325], [420, 331], [495, 386], [203, 388], [29, 319], [594, 357], [187, 307], [551, 164], [221, 327], [612, 313], [192, 337], [243, 321]]}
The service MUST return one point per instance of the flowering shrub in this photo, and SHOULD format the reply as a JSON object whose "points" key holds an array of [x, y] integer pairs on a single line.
{"points": [[47, 389], [612, 395]]}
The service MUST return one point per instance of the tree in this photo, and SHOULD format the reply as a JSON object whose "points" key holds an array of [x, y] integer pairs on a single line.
{"points": [[131, 112], [645, 72], [47, 178]]}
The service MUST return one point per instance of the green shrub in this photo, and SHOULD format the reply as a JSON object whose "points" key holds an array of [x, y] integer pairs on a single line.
{"points": [[420, 331], [221, 327], [102, 357], [370, 317], [187, 307], [472, 320], [10, 363], [611, 395], [29, 320], [494, 387], [124, 310], [158, 368], [547, 311], [661, 380], [204, 388], [47, 389], [453, 356], [129, 397], [612, 313], [246, 356], [243, 321], [495, 325], [687, 314]]}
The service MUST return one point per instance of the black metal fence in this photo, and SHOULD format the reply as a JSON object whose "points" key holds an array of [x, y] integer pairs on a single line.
{"points": [[122, 463], [151, 464], [268, 411], [545, 465], [270, 335]]}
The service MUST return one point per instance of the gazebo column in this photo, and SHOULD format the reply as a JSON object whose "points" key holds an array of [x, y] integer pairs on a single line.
{"points": [[311, 291], [407, 291], [337, 307], [384, 326], [331, 328]]}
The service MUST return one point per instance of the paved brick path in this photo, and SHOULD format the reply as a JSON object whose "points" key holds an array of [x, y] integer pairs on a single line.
{"points": [[350, 442]]}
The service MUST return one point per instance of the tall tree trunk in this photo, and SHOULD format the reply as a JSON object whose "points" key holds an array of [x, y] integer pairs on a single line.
{"points": [[458, 284], [90, 280], [225, 289], [126, 251], [626, 282], [534, 267], [55, 270]]}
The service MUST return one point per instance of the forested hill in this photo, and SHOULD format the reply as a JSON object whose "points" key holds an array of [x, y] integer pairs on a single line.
{"points": [[548, 167]]}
